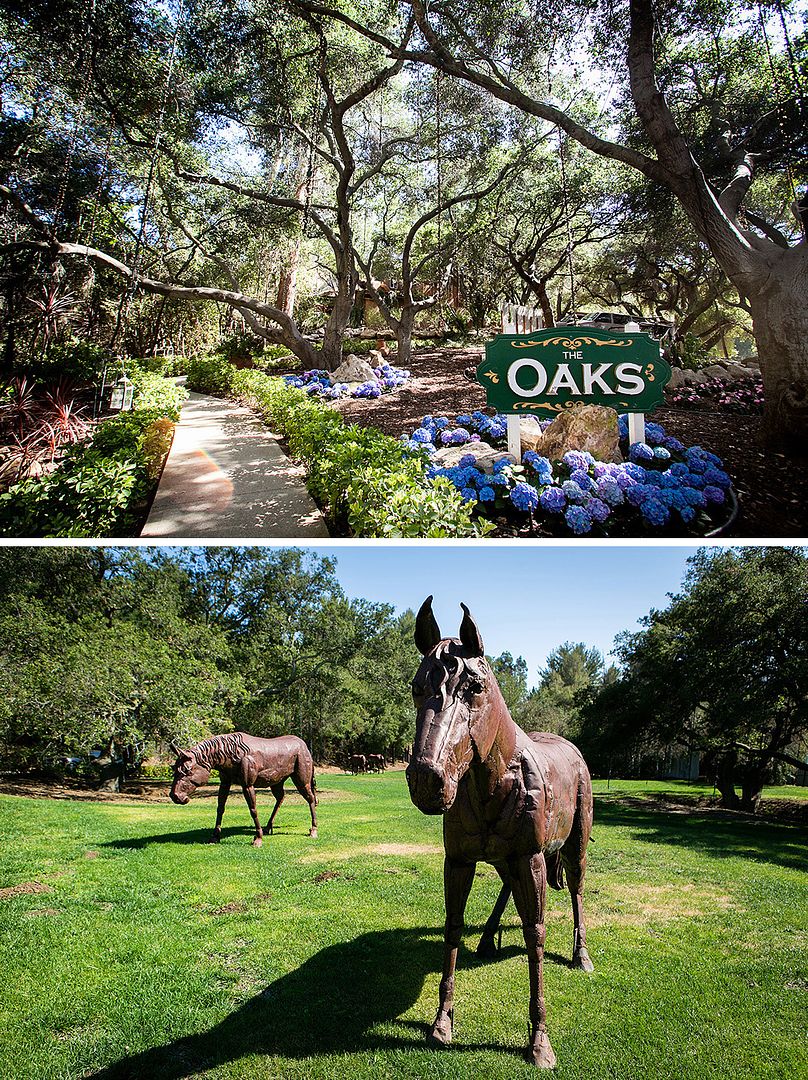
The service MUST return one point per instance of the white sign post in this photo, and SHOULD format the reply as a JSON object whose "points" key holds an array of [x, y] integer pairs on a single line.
{"points": [[636, 420]]}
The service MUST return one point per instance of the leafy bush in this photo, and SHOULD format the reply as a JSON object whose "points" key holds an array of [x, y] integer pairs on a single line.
{"points": [[153, 392], [210, 374], [157, 365], [88, 495], [156, 772], [78, 361], [358, 471], [96, 485]]}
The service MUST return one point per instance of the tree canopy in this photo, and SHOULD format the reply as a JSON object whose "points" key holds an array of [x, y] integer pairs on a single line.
{"points": [[722, 671]]}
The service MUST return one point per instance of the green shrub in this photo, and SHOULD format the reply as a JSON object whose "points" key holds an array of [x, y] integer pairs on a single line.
{"points": [[88, 495], [210, 374], [153, 392], [156, 365], [79, 362], [156, 772], [358, 471]]}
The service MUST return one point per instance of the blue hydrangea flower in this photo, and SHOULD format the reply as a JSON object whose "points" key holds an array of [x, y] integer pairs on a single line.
{"points": [[468, 459], [640, 451], [661, 454], [487, 494], [579, 520], [714, 494], [654, 512], [422, 434], [575, 459], [524, 496], [654, 434], [573, 492], [582, 478]]}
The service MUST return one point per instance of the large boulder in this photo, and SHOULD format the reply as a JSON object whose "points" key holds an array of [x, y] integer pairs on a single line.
{"points": [[485, 456], [353, 369], [589, 428], [717, 371]]}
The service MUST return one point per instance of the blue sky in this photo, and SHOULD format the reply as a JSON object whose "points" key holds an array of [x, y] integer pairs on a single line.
{"points": [[526, 600]]}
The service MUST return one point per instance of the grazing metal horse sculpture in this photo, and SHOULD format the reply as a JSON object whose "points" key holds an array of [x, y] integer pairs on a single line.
{"points": [[520, 802], [251, 762]]}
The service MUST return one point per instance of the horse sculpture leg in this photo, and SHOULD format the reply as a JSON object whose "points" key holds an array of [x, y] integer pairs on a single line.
{"points": [[529, 883], [306, 788], [279, 793], [573, 856], [457, 881], [249, 795], [224, 791], [487, 944]]}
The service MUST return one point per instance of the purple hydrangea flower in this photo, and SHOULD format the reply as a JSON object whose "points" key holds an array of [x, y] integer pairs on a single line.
{"points": [[553, 500]]}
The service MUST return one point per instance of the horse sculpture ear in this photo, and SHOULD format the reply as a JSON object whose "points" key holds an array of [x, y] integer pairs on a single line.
{"points": [[427, 634], [174, 746], [470, 635]]}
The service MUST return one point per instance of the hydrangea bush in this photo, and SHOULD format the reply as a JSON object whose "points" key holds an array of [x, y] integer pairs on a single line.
{"points": [[661, 484], [317, 383], [741, 396]]}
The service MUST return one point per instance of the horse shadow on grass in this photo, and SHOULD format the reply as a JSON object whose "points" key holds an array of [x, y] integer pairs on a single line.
{"points": [[715, 833], [337, 1002], [202, 836]]}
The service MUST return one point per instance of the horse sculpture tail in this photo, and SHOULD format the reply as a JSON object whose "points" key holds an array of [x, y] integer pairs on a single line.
{"points": [[314, 788], [555, 870]]}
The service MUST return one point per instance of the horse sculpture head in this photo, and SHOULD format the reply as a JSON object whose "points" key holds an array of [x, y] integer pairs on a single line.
{"points": [[189, 774], [458, 706]]}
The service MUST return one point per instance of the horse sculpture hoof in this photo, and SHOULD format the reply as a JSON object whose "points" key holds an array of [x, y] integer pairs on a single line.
{"points": [[214, 839], [540, 1052], [487, 948], [441, 1033], [258, 842], [582, 962], [313, 832]]}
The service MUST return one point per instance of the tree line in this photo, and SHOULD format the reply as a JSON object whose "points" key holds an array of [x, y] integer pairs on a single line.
{"points": [[145, 646]]}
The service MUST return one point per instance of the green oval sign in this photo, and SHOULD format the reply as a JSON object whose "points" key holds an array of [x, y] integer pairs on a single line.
{"points": [[550, 370]]}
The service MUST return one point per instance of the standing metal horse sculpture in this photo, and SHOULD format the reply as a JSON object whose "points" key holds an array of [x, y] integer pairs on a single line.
{"points": [[520, 802], [253, 763]]}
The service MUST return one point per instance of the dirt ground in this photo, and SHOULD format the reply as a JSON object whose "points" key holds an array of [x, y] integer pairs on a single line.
{"points": [[772, 489], [136, 790]]}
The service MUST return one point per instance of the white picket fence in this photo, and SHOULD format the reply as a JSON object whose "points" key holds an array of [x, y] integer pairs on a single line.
{"points": [[518, 319]]}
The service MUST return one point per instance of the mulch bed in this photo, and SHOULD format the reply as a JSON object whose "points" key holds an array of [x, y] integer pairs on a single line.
{"points": [[772, 489]]}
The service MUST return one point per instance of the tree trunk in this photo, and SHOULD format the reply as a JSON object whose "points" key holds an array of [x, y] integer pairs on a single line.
{"points": [[287, 286], [725, 781], [404, 336], [545, 305], [780, 320]]}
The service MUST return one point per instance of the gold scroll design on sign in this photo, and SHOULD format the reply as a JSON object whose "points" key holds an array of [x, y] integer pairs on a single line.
{"points": [[556, 406], [573, 342], [492, 375], [649, 372]]}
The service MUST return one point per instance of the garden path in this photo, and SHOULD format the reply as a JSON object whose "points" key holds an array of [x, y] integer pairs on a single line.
{"points": [[226, 476]]}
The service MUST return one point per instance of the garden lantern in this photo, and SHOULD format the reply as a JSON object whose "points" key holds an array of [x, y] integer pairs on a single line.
{"points": [[122, 394]]}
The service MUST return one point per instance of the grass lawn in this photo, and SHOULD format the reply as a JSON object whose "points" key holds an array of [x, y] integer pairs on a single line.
{"points": [[143, 952]]}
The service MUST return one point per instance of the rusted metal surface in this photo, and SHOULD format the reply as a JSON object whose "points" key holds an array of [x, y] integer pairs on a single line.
{"points": [[252, 763], [522, 802]]}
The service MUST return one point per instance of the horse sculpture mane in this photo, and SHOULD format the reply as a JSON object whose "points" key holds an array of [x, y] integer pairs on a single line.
{"points": [[219, 749], [520, 802]]}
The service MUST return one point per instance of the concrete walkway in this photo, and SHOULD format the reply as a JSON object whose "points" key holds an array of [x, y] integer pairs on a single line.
{"points": [[227, 476]]}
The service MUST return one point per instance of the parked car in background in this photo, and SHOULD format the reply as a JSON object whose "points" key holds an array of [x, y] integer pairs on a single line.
{"points": [[660, 329]]}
